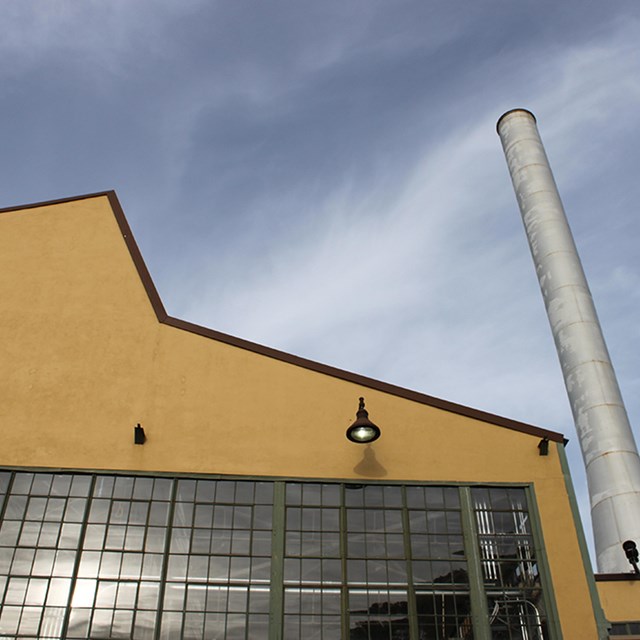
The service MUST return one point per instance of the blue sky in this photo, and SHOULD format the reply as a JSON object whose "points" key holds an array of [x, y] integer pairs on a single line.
{"points": [[325, 177]]}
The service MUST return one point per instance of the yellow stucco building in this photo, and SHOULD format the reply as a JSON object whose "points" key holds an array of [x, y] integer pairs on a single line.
{"points": [[238, 508]]}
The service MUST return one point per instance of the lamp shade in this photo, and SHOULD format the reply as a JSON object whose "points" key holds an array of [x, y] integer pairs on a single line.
{"points": [[363, 431]]}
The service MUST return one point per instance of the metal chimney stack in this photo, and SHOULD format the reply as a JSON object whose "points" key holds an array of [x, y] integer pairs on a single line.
{"points": [[608, 447]]}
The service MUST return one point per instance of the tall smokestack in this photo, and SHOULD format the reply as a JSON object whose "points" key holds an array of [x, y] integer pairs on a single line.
{"points": [[608, 447]]}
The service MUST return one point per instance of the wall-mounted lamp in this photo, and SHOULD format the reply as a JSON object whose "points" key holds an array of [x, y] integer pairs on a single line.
{"points": [[543, 446], [138, 435], [631, 551], [363, 431]]}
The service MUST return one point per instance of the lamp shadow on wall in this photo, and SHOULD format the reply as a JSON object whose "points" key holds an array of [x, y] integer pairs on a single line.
{"points": [[369, 465]]}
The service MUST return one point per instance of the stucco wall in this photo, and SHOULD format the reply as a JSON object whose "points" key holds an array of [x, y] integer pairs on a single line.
{"points": [[620, 599]]}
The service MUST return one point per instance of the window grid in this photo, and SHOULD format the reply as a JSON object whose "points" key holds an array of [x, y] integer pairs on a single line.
{"points": [[39, 537], [510, 568], [218, 569], [104, 556], [313, 564], [377, 573], [118, 572]]}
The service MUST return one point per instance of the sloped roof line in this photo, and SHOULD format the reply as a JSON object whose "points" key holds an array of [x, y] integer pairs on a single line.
{"points": [[298, 361]]}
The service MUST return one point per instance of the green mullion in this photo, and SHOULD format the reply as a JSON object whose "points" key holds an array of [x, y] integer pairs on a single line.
{"points": [[479, 613], [412, 609], [165, 557], [76, 564], [276, 596], [344, 591], [252, 559]]}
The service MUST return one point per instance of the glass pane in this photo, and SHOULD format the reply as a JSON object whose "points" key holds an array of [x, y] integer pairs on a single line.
{"points": [[75, 509], [354, 495], [69, 536], [104, 487], [159, 514], [144, 625], [171, 626], [225, 491], [143, 489], [61, 485], [123, 488], [373, 496], [40, 486], [174, 596], [186, 491], [244, 492], [293, 493], [122, 624], [311, 494], [36, 591], [58, 593], [16, 506], [162, 489], [99, 511], [183, 514], [206, 491], [152, 566], [55, 509], [148, 594], [43, 563], [84, 593], [52, 621]]}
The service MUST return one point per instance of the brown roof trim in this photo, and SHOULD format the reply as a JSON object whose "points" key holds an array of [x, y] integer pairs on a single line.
{"points": [[46, 203], [143, 272], [616, 577], [355, 378]]}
